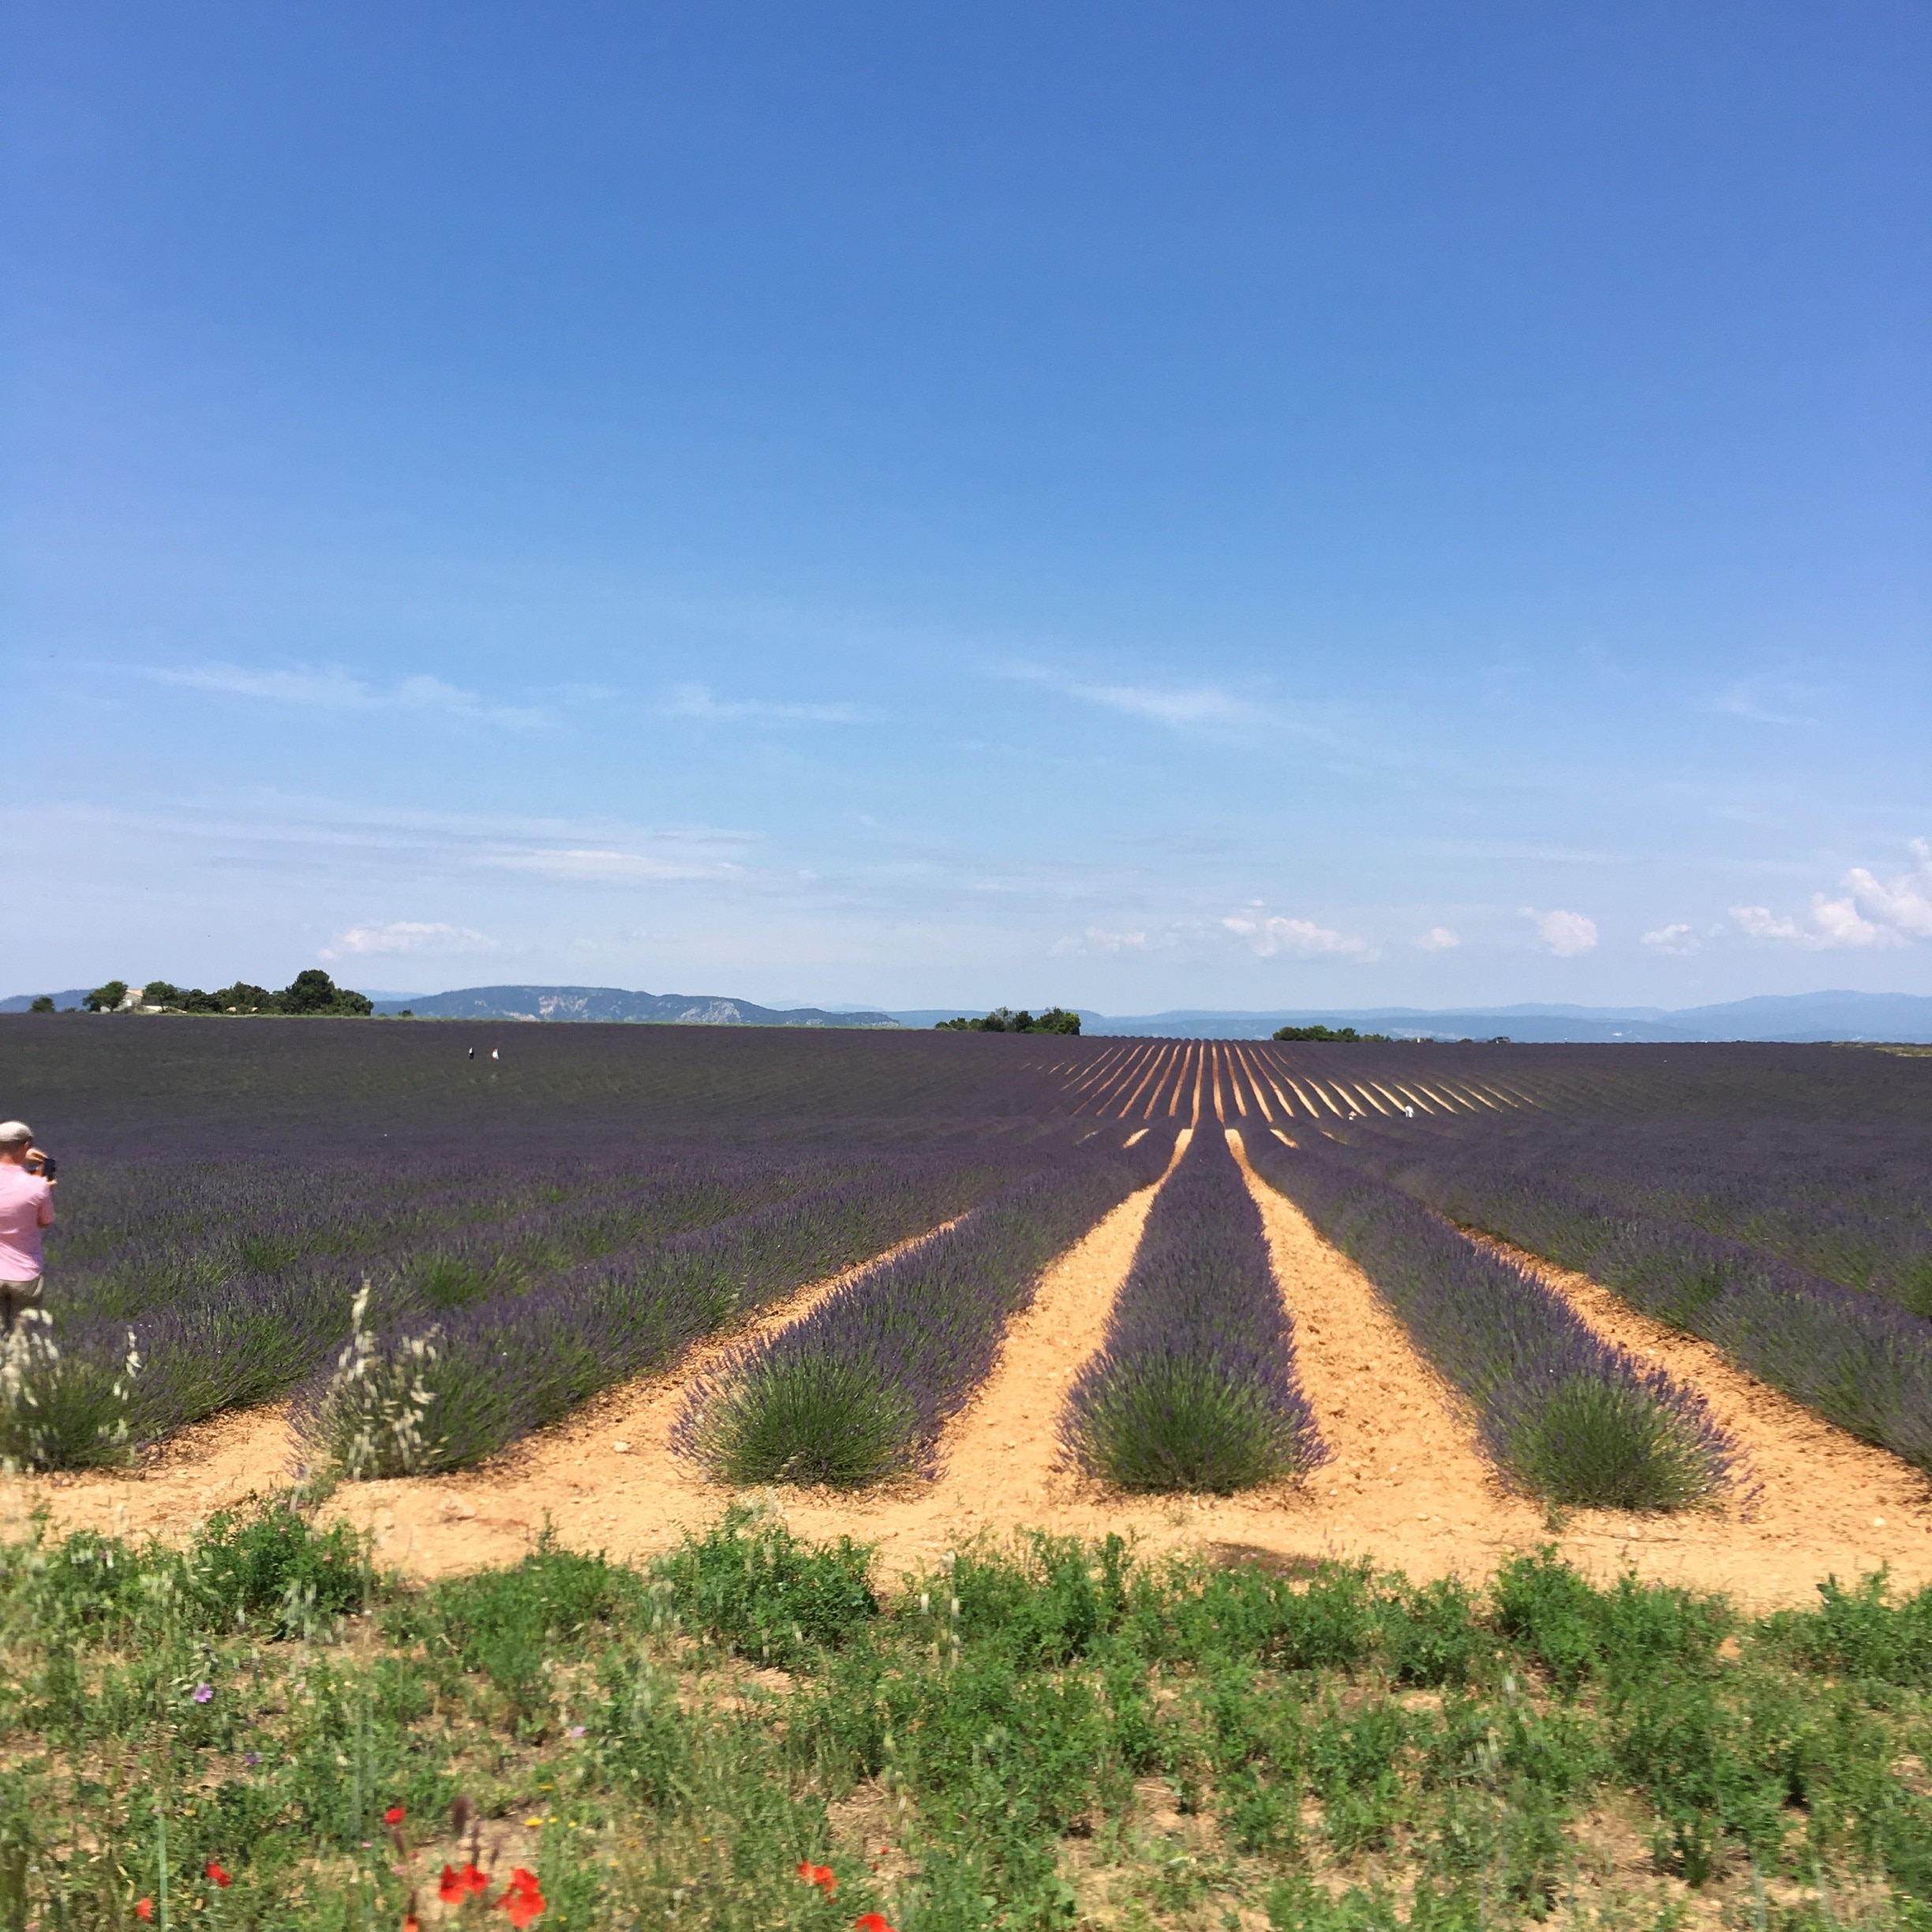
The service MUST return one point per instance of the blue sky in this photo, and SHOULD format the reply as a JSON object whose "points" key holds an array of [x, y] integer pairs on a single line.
{"points": [[1135, 505]]}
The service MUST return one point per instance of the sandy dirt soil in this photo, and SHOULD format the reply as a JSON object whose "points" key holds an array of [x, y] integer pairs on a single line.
{"points": [[1406, 1485], [1823, 1503]]}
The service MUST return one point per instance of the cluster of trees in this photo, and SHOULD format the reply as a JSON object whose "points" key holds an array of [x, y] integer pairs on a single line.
{"points": [[1349, 1033], [1327, 1033], [308, 994], [1004, 1020]]}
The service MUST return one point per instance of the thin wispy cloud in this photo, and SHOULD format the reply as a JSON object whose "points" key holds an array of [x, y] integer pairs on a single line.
{"points": [[1869, 912], [1204, 708], [1769, 697], [609, 865], [1439, 939], [695, 701], [331, 688], [408, 936], [1098, 941], [1185, 708]]}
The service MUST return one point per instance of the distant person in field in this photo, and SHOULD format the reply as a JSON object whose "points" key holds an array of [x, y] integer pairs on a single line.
{"points": [[26, 1207]]}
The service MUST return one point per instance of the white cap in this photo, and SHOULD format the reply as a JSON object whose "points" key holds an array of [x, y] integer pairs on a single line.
{"points": [[15, 1134]]}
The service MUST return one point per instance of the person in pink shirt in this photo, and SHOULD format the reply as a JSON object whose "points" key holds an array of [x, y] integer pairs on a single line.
{"points": [[26, 1207]]}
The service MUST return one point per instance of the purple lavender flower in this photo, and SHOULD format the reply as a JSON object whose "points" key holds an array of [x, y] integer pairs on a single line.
{"points": [[204, 1693]]}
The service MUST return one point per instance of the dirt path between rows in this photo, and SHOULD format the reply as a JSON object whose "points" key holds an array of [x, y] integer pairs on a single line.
{"points": [[1407, 1485], [1825, 1504]]}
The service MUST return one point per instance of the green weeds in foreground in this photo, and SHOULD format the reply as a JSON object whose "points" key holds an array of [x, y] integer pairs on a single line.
{"points": [[1031, 1739]]}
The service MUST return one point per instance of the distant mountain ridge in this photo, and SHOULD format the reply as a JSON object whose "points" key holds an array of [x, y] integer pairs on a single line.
{"points": [[613, 1003], [1793, 1018]]}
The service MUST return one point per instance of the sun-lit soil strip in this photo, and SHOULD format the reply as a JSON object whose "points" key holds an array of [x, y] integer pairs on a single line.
{"points": [[1086, 1091], [1195, 1388], [1254, 1086], [1400, 1099], [1083, 1077], [1181, 1081], [1570, 1416], [1130, 1078], [1168, 1097], [1287, 1106], [1154, 1085], [1150, 1069], [1172, 1092], [1112, 1067]]}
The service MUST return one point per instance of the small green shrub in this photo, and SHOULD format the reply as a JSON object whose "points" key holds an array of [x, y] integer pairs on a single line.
{"points": [[750, 1584], [1860, 1633], [274, 1568]]}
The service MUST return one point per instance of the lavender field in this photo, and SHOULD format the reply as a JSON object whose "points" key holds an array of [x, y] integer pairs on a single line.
{"points": [[432, 1239]]}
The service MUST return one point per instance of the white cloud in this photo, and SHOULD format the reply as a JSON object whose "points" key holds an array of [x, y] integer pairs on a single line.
{"points": [[1906, 904], [1760, 922], [1565, 934], [408, 936], [1268, 937], [1872, 912], [600, 865], [1676, 938], [1438, 939], [331, 688], [695, 701]]}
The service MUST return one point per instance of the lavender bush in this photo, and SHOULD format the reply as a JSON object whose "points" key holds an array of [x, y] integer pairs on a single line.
{"points": [[861, 1387], [1194, 1388], [1572, 1417]]}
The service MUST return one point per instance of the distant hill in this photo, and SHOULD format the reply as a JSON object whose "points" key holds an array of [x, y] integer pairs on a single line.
{"points": [[20, 1002], [1788, 1016], [544, 1002]]}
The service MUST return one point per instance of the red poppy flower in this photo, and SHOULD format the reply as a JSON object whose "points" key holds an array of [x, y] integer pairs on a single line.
{"points": [[411, 1923], [395, 1815], [220, 1876], [143, 1908], [822, 1876], [457, 1885], [870, 1922], [522, 1899]]}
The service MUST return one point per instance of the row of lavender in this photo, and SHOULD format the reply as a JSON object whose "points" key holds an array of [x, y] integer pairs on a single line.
{"points": [[1849, 1206], [860, 1389], [416, 1400], [1194, 1387], [1860, 1359], [432, 1229], [1571, 1416], [476, 1376]]}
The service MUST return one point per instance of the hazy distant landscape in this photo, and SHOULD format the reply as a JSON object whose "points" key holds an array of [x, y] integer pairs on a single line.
{"points": [[1801, 1017]]}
